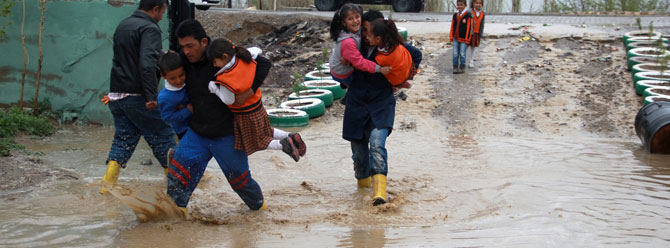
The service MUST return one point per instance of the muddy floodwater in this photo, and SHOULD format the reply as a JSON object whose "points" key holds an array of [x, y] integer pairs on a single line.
{"points": [[534, 148], [445, 191]]}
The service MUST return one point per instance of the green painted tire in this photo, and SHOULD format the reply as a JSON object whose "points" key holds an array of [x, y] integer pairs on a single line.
{"points": [[645, 38], [654, 91], [642, 85], [288, 117], [639, 60], [403, 32], [313, 106], [324, 66], [640, 52], [318, 75], [331, 85], [647, 67], [651, 75], [642, 43], [639, 34], [325, 95], [650, 99]]}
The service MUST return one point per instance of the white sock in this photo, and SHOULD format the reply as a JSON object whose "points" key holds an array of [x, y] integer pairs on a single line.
{"points": [[472, 54], [279, 134], [274, 145]]}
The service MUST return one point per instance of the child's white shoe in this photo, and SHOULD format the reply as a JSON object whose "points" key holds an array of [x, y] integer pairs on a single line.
{"points": [[471, 65]]}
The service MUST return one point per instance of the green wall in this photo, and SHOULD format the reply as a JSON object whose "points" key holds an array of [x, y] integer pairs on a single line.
{"points": [[77, 50]]}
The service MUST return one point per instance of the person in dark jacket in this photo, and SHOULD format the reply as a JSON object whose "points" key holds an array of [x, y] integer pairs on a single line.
{"points": [[210, 131], [132, 91], [368, 119]]}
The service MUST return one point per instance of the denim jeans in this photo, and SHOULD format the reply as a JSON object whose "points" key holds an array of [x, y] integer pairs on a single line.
{"points": [[459, 52], [132, 120], [369, 155], [190, 161]]}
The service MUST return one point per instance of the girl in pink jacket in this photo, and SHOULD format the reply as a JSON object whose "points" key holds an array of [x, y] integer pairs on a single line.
{"points": [[345, 30]]}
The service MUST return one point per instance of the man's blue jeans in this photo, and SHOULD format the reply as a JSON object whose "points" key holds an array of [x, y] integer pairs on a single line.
{"points": [[190, 161], [459, 52], [132, 120], [369, 155]]}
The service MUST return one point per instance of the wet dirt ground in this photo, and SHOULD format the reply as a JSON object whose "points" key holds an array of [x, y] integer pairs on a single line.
{"points": [[533, 147]]}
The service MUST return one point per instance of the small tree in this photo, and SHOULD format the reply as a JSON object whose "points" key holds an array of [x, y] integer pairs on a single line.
{"points": [[43, 5], [297, 85], [639, 23]]}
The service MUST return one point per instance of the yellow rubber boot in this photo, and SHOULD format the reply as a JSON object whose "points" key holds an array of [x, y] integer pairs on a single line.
{"points": [[264, 207], [166, 172], [365, 182], [378, 189], [111, 176], [185, 210]]}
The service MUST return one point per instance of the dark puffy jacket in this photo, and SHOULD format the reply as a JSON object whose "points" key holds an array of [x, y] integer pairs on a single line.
{"points": [[137, 45]]}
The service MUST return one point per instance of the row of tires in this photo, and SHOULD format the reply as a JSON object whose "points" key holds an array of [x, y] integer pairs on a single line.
{"points": [[321, 92], [650, 74]]}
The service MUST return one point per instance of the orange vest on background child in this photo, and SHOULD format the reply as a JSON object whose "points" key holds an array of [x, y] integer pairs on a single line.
{"points": [[239, 78], [479, 20], [400, 61], [461, 27]]}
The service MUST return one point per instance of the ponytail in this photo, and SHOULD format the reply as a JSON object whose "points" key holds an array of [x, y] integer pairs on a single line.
{"points": [[243, 54], [219, 47], [388, 31], [336, 26]]}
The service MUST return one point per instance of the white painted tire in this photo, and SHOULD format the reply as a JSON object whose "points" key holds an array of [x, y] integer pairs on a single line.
{"points": [[640, 52], [651, 75], [325, 95], [331, 85], [639, 33], [315, 75], [288, 117], [313, 106], [650, 99], [642, 85], [324, 66], [656, 91]]}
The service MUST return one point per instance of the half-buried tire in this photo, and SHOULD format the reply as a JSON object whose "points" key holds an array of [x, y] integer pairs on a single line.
{"points": [[331, 85], [325, 95], [288, 117], [324, 66], [642, 85], [650, 99], [403, 32], [313, 106], [323, 74]]}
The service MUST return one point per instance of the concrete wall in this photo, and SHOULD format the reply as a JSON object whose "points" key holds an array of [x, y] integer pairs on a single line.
{"points": [[77, 48]]}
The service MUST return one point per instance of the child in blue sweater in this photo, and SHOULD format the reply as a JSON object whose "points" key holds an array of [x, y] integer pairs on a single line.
{"points": [[172, 100]]}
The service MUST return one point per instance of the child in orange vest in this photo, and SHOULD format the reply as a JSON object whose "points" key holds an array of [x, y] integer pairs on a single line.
{"points": [[460, 34], [251, 124], [478, 17], [391, 52]]}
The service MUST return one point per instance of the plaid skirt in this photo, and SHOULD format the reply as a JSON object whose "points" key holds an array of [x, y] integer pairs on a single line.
{"points": [[474, 41], [252, 131]]}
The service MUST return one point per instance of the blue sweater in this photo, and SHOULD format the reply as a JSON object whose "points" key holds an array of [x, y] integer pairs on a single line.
{"points": [[168, 102]]}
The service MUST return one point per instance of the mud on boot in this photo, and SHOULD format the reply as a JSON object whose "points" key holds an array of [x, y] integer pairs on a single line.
{"points": [[289, 148], [378, 190], [364, 182], [299, 143], [111, 175]]}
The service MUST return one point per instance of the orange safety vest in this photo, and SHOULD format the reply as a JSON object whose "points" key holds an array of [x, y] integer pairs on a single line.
{"points": [[478, 20], [461, 27], [401, 62], [239, 78]]}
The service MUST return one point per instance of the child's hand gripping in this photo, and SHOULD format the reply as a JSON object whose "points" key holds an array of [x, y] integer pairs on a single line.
{"points": [[105, 100], [385, 69]]}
